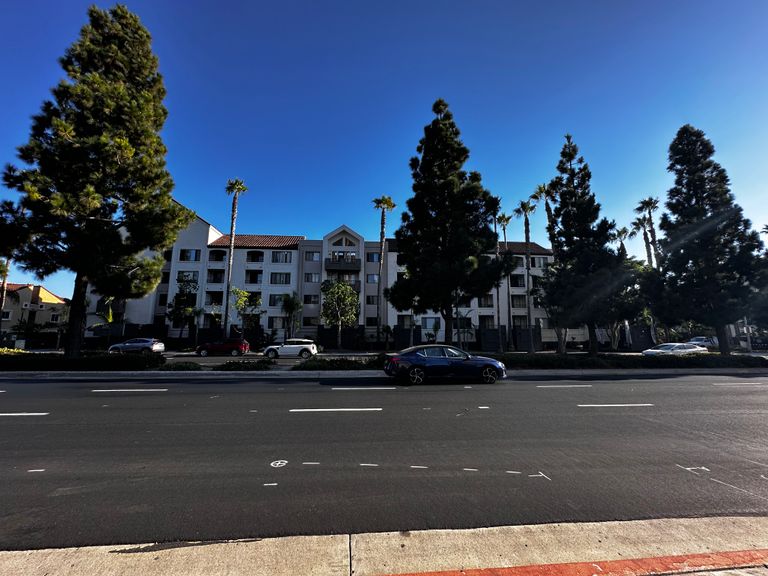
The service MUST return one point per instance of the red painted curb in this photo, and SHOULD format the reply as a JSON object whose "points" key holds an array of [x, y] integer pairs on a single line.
{"points": [[636, 567]]}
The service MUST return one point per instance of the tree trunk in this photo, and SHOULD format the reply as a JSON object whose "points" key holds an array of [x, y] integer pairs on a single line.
{"points": [[647, 248], [448, 318], [77, 317], [531, 348], [722, 339], [338, 337], [230, 260], [562, 339], [654, 242], [551, 227], [379, 291], [509, 302], [592, 339], [615, 335], [498, 295], [4, 289]]}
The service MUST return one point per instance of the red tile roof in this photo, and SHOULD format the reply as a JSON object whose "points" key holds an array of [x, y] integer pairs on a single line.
{"points": [[514, 247], [11, 287], [258, 241]]}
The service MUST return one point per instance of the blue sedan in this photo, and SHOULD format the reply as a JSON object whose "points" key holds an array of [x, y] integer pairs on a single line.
{"points": [[438, 361]]}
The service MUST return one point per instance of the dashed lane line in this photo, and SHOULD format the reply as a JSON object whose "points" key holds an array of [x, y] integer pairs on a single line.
{"points": [[612, 405], [369, 465], [366, 388], [24, 414], [335, 410], [271, 484], [420, 467], [737, 488], [131, 390], [564, 386]]}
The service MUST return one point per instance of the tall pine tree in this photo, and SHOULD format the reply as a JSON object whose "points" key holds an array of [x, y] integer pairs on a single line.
{"points": [[446, 237], [712, 267], [96, 193], [588, 272]]}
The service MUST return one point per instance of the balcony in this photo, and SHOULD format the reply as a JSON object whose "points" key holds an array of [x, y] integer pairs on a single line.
{"points": [[343, 263]]}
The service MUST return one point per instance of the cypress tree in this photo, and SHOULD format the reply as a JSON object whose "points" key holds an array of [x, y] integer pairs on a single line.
{"points": [[96, 195]]}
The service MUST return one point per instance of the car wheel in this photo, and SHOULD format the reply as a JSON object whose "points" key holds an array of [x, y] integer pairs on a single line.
{"points": [[203, 353], [305, 354], [271, 354], [490, 375], [234, 353], [416, 375]]}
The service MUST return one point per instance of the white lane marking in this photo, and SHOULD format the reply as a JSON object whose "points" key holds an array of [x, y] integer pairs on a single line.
{"points": [[105, 405], [2, 391], [420, 467], [469, 469], [693, 469], [212, 397], [742, 384], [37, 470], [131, 390], [271, 484], [612, 405], [763, 477], [467, 387], [426, 408], [565, 386], [335, 410], [366, 388], [484, 407], [311, 463], [252, 411], [758, 463], [278, 463], [737, 488], [24, 414], [513, 472], [370, 465], [540, 475]]}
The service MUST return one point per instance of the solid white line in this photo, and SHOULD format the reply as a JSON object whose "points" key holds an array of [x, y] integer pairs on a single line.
{"points": [[271, 484], [370, 465], [467, 387], [742, 384], [513, 472], [335, 410], [420, 467], [737, 488], [611, 405], [565, 386], [25, 414], [37, 470], [311, 463], [132, 390], [2, 391], [484, 407], [369, 388], [469, 469]]}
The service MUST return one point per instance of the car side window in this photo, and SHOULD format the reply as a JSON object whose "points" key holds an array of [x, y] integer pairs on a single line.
{"points": [[435, 352], [451, 353]]}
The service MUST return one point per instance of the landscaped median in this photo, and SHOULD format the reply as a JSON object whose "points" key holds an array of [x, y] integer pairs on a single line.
{"points": [[582, 361]]}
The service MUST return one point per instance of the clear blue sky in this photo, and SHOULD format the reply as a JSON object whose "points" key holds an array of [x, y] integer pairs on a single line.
{"points": [[318, 106]]}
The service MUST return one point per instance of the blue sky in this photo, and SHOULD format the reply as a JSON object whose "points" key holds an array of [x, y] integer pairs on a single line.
{"points": [[318, 106]]}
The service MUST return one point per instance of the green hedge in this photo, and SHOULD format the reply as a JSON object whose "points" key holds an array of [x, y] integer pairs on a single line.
{"points": [[620, 361], [182, 367], [89, 362], [372, 363], [245, 365]]}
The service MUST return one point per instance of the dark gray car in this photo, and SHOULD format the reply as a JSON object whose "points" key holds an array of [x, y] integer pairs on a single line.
{"points": [[138, 345]]}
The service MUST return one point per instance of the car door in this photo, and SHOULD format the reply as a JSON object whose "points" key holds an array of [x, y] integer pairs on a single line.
{"points": [[132, 345], [289, 349], [459, 363], [437, 364]]}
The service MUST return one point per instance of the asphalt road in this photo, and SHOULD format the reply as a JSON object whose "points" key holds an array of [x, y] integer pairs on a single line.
{"points": [[112, 460]]}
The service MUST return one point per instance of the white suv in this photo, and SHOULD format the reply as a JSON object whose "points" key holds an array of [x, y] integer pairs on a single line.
{"points": [[292, 347]]}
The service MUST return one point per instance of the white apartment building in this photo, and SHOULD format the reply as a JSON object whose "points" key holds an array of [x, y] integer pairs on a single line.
{"points": [[272, 266]]}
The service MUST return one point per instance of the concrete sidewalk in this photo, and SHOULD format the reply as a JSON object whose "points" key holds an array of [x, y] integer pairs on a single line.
{"points": [[734, 545]]}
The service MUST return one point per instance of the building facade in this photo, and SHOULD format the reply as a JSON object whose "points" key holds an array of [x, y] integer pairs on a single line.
{"points": [[271, 266], [32, 310]]}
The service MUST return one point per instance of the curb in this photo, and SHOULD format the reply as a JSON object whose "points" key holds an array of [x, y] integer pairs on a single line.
{"points": [[636, 567]]}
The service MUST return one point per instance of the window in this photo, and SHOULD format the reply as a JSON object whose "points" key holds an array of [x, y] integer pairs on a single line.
{"points": [[254, 298], [186, 276], [168, 254], [518, 302], [6, 314], [405, 320], [519, 262], [189, 255], [430, 323], [281, 257], [162, 299], [485, 301], [253, 276], [277, 299], [312, 256], [310, 321], [372, 300], [536, 281], [517, 281], [215, 276], [280, 278], [434, 352], [216, 256], [372, 278], [487, 321], [372, 256], [311, 298], [519, 321], [465, 323], [214, 298], [453, 353], [371, 321], [254, 256], [165, 278], [313, 277], [276, 322]]}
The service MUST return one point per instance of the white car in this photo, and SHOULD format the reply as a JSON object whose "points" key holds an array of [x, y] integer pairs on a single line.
{"points": [[706, 341], [292, 347], [140, 345], [675, 349]]}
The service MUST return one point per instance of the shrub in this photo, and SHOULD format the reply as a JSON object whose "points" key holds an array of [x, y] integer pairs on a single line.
{"points": [[374, 363], [182, 367], [92, 362], [243, 365]]}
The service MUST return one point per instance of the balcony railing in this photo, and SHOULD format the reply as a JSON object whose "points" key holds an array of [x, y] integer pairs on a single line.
{"points": [[342, 263]]}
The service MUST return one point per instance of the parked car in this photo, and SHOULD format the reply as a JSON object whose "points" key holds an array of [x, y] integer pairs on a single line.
{"points": [[138, 345], [230, 347], [675, 349], [439, 361], [292, 347], [706, 341]]}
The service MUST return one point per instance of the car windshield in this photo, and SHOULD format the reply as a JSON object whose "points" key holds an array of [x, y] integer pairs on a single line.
{"points": [[664, 347]]}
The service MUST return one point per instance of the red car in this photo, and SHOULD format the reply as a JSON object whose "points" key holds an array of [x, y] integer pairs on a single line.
{"points": [[229, 347]]}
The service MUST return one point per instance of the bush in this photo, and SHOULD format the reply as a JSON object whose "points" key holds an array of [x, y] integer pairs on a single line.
{"points": [[620, 361], [182, 367], [92, 362], [374, 363], [243, 365]]}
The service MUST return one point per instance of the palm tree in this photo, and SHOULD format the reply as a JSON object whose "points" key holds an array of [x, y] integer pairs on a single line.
{"points": [[234, 188], [548, 195], [647, 207], [504, 221], [291, 305], [524, 210], [641, 224], [5, 267], [385, 204], [621, 235]]}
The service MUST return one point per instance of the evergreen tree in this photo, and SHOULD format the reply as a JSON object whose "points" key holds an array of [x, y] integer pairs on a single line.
{"points": [[95, 193], [588, 271], [446, 236], [711, 254]]}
